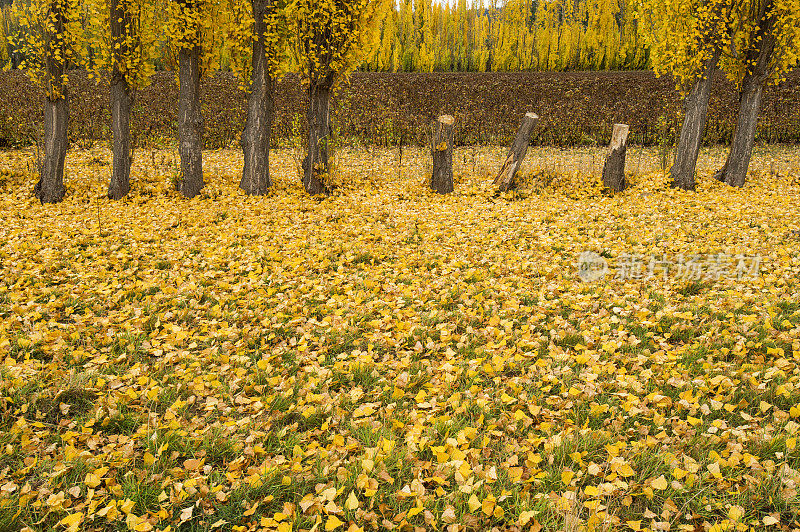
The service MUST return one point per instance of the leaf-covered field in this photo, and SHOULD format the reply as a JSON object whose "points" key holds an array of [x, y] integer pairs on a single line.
{"points": [[388, 358]]}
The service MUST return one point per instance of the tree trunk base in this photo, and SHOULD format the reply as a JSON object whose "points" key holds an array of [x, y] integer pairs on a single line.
{"points": [[734, 173], [260, 110], [719, 175], [312, 180], [190, 123], [121, 102], [682, 173], [117, 191], [50, 187], [316, 166]]}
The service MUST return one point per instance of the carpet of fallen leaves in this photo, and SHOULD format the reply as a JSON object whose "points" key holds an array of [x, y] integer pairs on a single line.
{"points": [[389, 358]]}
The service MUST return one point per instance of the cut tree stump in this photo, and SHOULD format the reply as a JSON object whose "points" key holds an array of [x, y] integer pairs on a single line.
{"points": [[505, 178], [442, 151], [614, 168]]}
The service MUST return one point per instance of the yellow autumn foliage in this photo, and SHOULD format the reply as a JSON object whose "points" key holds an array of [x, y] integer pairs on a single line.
{"points": [[387, 355], [332, 37]]}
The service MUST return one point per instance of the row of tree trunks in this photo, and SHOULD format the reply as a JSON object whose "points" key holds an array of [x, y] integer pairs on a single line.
{"points": [[442, 152], [614, 167], [260, 110], [255, 137], [682, 172]]}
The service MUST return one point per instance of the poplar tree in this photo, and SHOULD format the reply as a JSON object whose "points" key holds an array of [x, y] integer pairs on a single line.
{"points": [[332, 36], [546, 22], [766, 44], [396, 46], [125, 33], [513, 41], [443, 40], [384, 56], [481, 50], [425, 58], [687, 38], [463, 36], [5, 45], [408, 41], [634, 52], [396, 58], [257, 42], [194, 31], [51, 39], [384, 59], [570, 46], [591, 35]]}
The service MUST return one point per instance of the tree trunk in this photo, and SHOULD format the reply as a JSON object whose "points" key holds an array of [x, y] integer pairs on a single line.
{"points": [[694, 124], [50, 188], [734, 172], [190, 122], [442, 151], [614, 168], [260, 110], [758, 60], [516, 153], [316, 166], [121, 103]]}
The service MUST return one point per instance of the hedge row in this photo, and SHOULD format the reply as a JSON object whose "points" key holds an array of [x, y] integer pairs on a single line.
{"points": [[575, 108]]}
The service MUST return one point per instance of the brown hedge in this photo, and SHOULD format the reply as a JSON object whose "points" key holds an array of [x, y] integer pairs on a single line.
{"points": [[575, 108]]}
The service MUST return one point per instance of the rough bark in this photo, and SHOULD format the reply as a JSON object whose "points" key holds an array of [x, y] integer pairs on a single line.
{"points": [[260, 110], [516, 153], [694, 123], [121, 104], [758, 60], [190, 122], [734, 172], [614, 167], [442, 151], [50, 187], [316, 165]]}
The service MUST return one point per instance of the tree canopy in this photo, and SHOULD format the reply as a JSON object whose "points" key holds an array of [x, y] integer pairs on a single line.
{"points": [[422, 35], [332, 37]]}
